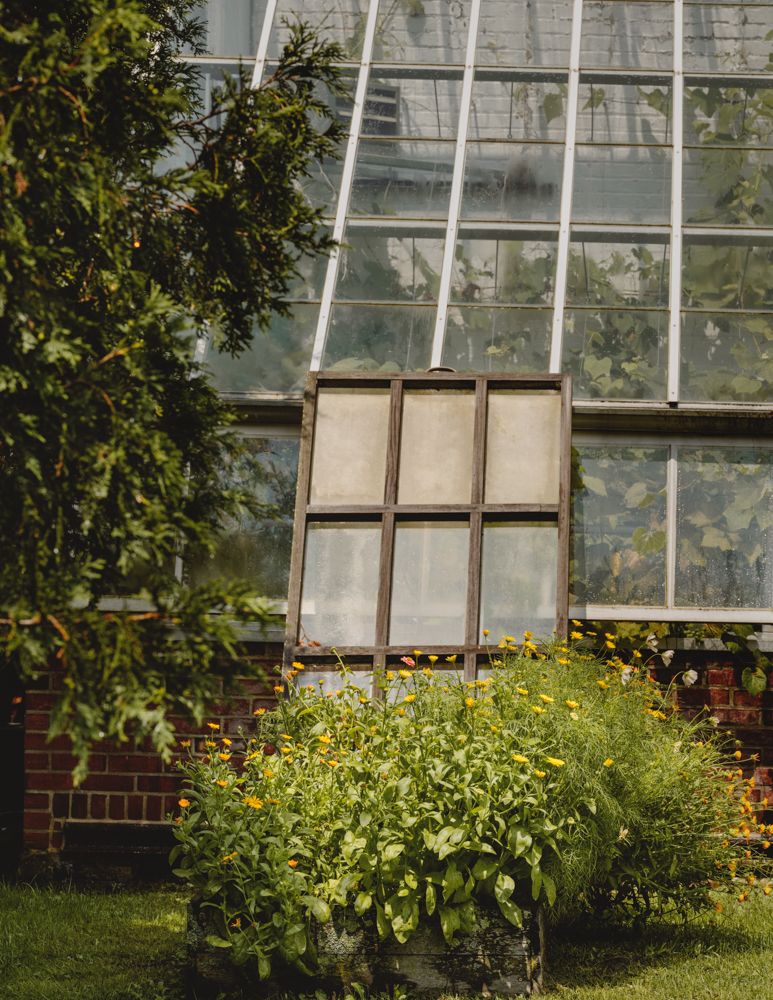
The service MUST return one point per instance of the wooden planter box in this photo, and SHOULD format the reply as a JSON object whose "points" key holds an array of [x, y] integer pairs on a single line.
{"points": [[495, 958]]}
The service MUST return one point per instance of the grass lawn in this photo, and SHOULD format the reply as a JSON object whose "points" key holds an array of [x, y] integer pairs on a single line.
{"points": [[58, 945]]}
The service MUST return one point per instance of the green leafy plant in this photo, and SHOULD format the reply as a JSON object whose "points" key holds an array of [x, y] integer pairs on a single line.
{"points": [[560, 778]]}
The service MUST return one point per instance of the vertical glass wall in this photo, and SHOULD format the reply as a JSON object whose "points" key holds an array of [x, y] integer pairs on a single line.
{"points": [[529, 274]]}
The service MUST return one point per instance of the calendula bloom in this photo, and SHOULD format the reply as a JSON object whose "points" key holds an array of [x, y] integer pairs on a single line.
{"points": [[563, 661], [469, 702], [462, 739], [575, 635], [401, 711], [292, 863], [451, 659], [522, 690], [547, 699], [538, 710], [767, 890], [298, 666], [526, 635], [184, 803], [494, 729], [227, 742], [572, 704], [363, 700], [213, 725], [555, 761], [609, 644], [287, 749], [603, 685], [540, 774], [237, 922], [278, 688], [185, 743], [487, 631], [224, 756], [274, 802], [324, 739], [520, 758], [209, 743], [253, 802], [259, 711], [405, 674], [223, 784], [389, 675], [766, 845], [432, 658], [608, 762], [737, 755], [332, 763], [409, 698], [417, 653], [718, 906], [285, 736], [229, 857]]}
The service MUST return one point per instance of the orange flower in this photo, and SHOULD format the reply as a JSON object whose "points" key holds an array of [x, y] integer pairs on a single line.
{"points": [[184, 803], [185, 743], [224, 756], [213, 725], [278, 688], [227, 742], [259, 711], [292, 863], [223, 784]]}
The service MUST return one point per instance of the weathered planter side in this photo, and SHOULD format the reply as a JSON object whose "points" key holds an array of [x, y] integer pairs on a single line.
{"points": [[495, 958]]}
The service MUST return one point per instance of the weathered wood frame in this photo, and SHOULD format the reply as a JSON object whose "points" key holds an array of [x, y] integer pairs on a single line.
{"points": [[476, 511]]}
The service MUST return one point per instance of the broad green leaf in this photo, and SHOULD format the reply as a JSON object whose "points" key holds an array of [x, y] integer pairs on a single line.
{"points": [[554, 106], [503, 888], [536, 882], [392, 851], [383, 926], [648, 541], [511, 912], [449, 922], [217, 942], [484, 867], [362, 903], [431, 898], [755, 681], [550, 888], [518, 840]]}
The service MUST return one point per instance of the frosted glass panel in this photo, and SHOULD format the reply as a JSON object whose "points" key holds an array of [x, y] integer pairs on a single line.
{"points": [[232, 27], [523, 446], [340, 584], [429, 588], [430, 31], [436, 451], [622, 184], [350, 441], [518, 578], [627, 35], [523, 33]]}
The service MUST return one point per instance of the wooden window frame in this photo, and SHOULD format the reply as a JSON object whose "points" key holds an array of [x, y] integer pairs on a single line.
{"points": [[381, 653]]}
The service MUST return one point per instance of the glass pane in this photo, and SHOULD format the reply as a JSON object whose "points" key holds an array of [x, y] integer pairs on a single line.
{"points": [[616, 273], [256, 547], [342, 22], [626, 113], [521, 33], [726, 39], [727, 357], [425, 107], [390, 264], [618, 35], [402, 178], [728, 187], [512, 182], [350, 443], [379, 338], [517, 109], [277, 361], [323, 184], [622, 184], [523, 446], [618, 546], [723, 521], [436, 446], [209, 78], [728, 116], [616, 354], [232, 26], [308, 285], [727, 273], [498, 340], [518, 578], [325, 682], [504, 270], [422, 31], [429, 583]]}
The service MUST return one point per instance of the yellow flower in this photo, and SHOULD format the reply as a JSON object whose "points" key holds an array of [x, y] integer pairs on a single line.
{"points": [[274, 802], [572, 704], [209, 743], [462, 739], [520, 758], [259, 711], [389, 675], [253, 802], [332, 763], [285, 736], [609, 645], [469, 702], [363, 700], [417, 653], [609, 635], [292, 863], [547, 699], [575, 622], [522, 690], [575, 635], [278, 688], [432, 659], [229, 857], [487, 631], [223, 784], [185, 743], [494, 729], [555, 761], [298, 666], [287, 749], [324, 739], [540, 774], [738, 755], [563, 661], [401, 711], [538, 710], [224, 756], [603, 685], [608, 762], [213, 725], [526, 635], [227, 742], [405, 674], [184, 803], [451, 659], [409, 698]]}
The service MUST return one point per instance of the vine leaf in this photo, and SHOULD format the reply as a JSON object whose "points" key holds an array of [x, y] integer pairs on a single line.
{"points": [[754, 681], [648, 541], [554, 107]]}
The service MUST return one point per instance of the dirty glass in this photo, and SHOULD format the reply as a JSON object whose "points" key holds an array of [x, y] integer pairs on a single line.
{"points": [[618, 542], [500, 339], [624, 113], [436, 441], [390, 264], [502, 268], [728, 187], [340, 583], [523, 446], [504, 107], [322, 186], [372, 338], [402, 178], [618, 35], [727, 357], [518, 579], [725, 39], [727, 272], [277, 361], [429, 583], [256, 546], [512, 182], [723, 528], [422, 31], [424, 105], [728, 115], [617, 354], [232, 27], [350, 444], [609, 272], [522, 33], [342, 22], [622, 184]]}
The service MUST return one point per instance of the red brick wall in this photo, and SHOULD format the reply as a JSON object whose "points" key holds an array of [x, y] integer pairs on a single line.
{"points": [[132, 785], [126, 784]]}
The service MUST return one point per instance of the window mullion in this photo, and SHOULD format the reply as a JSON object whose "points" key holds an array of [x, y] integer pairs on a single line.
{"points": [[265, 37], [562, 256], [671, 503], [677, 137]]}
